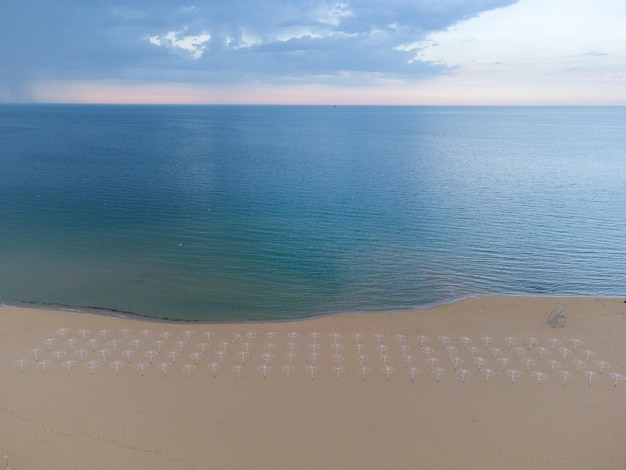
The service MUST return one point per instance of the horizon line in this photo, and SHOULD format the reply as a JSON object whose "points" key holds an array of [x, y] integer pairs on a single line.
{"points": [[351, 105]]}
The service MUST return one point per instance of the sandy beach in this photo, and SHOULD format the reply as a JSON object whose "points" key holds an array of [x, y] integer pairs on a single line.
{"points": [[483, 383]]}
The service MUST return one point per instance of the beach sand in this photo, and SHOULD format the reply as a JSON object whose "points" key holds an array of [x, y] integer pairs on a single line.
{"points": [[332, 415]]}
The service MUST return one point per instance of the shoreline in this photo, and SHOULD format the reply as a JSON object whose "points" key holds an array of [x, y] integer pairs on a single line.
{"points": [[418, 308], [317, 407]]}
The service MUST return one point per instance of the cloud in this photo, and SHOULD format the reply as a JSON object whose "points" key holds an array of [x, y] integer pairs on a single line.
{"points": [[594, 54], [318, 41], [531, 30], [333, 14], [402, 51], [195, 45], [533, 52], [208, 41]]}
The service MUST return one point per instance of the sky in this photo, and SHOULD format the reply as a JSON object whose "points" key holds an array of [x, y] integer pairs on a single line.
{"points": [[409, 52]]}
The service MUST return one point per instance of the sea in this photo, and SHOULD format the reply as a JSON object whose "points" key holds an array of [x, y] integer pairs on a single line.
{"points": [[237, 213]]}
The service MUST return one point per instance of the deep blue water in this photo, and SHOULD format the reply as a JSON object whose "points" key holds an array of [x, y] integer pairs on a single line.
{"points": [[244, 212]]}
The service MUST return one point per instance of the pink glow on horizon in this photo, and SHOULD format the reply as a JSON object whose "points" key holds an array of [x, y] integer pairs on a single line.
{"points": [[441, 91], [175, 93]]}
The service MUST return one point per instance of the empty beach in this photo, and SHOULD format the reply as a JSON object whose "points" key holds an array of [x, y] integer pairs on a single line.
{"points": [[483, 383]]}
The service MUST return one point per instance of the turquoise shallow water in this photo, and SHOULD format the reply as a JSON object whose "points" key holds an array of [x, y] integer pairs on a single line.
{"points": [[243, 212]]}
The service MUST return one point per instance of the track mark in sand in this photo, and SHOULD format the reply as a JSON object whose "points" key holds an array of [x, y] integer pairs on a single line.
{"points": [[94, 437]]}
